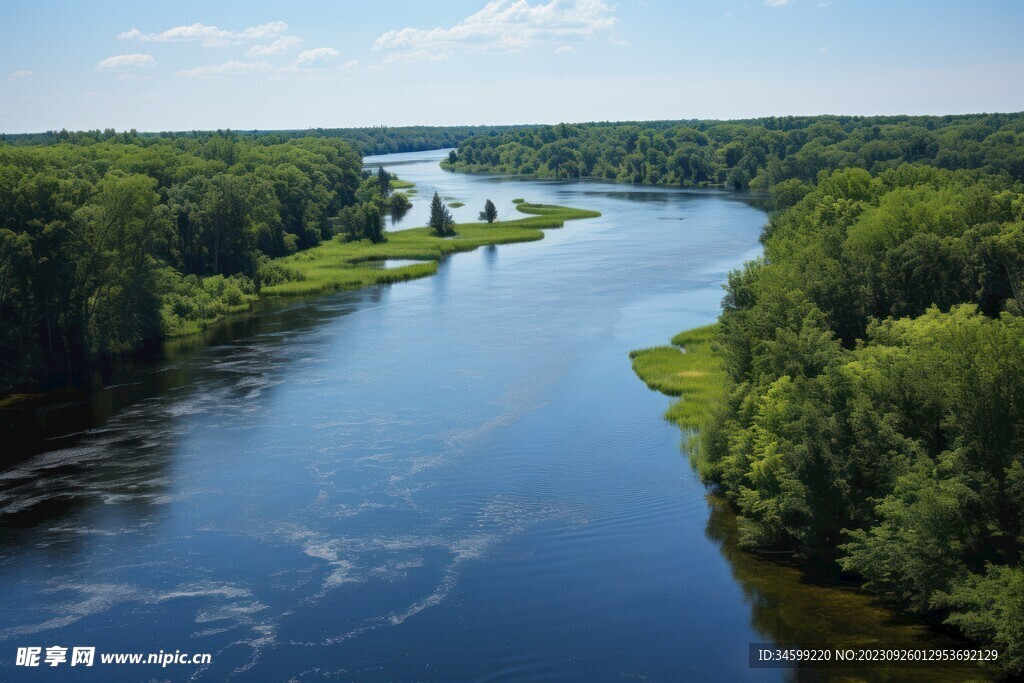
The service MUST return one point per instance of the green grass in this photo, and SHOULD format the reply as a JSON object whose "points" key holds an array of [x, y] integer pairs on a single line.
{"points": [[518, 200], [689, 369], [398, 184], [338, 265], [456, 205]]}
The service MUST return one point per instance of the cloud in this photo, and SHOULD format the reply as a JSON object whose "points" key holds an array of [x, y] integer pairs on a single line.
{"points": [[823, 48], [506, 26], [777, 3], [351, 64], [416, 56], [316, 55], [278, 47], [209, 36], [133, 61], [24, 73], [232, 68], [564, 48]]}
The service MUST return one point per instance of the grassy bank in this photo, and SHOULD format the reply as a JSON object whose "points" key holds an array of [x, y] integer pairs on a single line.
{"points": [[338, 265], [689, 369]]}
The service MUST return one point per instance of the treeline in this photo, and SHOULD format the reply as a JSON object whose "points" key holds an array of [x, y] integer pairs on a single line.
{"points": [[759, 153], [875, 422], [366, 141], [105, 244]]}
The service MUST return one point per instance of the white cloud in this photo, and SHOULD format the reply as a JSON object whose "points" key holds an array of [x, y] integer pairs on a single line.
{"points": [[507, 26], [351, 64], [416, 56], [777, 3], [209, 36], [133, 61], [564, 48], [24, 73], [311, 57], [823, 48], [278, 47], [232, 68]]}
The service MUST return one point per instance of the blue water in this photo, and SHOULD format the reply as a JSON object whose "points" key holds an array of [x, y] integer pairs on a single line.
{"points": [[455, 478]]}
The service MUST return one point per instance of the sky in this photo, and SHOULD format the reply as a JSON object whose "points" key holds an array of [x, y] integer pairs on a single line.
{"points": [[188, 65]]}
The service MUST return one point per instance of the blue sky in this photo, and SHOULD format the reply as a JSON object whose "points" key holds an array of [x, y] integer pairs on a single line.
{"points": [[201, 65]]}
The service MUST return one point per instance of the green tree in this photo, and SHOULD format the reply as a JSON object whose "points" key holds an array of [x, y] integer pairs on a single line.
{"points": [[490, 212], [441, 218], [384, 181], [121, 229]]}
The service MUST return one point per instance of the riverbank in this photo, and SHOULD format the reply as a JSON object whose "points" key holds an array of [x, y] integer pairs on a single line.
{"points": [[334, 265], [330, 267], [692, 370], [689, 369]]}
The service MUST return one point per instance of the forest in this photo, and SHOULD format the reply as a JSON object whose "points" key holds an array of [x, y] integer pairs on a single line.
{"points": [[783, 155], [107, 244], [366, 141], [874, 414]]}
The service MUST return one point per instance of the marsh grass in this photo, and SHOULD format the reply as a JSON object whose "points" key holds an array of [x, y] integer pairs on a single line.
{"points": [[456, 205], [689, 369], [398, 184], [337, 265]]}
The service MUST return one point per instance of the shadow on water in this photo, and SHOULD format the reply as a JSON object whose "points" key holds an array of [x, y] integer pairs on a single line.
{"points": [[786, 609], [114, 440]]}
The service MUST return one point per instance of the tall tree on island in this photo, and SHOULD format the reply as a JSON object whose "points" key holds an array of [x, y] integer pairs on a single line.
{"points": [[490, 212], [441, 218]]}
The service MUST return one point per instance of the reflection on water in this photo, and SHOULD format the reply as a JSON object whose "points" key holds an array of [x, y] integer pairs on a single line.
{"points": [[785, 608], [391, 263], [454, 478]]}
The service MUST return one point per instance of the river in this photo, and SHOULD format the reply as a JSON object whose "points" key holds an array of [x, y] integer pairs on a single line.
{"points": [[454, 478]]}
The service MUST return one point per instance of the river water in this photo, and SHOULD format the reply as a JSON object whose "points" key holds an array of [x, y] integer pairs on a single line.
{"points": [[454, 478]]}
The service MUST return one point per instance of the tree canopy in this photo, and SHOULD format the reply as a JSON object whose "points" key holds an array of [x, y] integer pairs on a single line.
{"points": [[108, 243]]}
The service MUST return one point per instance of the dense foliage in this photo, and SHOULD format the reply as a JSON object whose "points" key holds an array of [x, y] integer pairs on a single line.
{"points": [[760, 153], [106, 244], [366, 141], [876, 416]]}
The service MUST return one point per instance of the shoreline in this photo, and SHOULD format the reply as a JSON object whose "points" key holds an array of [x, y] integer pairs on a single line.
{"points": [[335, 267], [690, 371]]}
